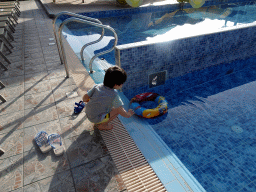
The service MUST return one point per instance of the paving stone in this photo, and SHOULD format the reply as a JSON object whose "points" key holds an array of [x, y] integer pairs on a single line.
{"points": [[18, 190], [11, 176], [36, 77], [61, 94], [75, 125], [38, 166], [12, 92], [34, 38], [13, 81], [31, 40], [57, 73], [50, 52], [17, 49], [95, 176], [84, 148], [34, 62], [46, 34], [30, 132], [61, 82], [11, 122], [37, 87], [19, 65], [15, 58], [18, 34], [52, 59], [15, 53], [12, 73], [33, 51], [12, 105], [55, 65], [50, 48], [32, 187], [40, 115], [12, 143], [45, 40], [39, 99], [31, 56], [32, 46], [16, 43], [58, 182], [35, 69], [66, 107], [29, 30]]}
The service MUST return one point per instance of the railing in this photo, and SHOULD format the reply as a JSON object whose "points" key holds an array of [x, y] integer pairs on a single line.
{"points": [[79, 19], [103, 52]]}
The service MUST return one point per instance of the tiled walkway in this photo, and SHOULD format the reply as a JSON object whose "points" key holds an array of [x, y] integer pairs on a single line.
{"points": [[36, 92]]}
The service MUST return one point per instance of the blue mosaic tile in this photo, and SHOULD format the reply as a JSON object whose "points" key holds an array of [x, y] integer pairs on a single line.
{"points": [[224, 175], [224, 142], [204, 181], [249, 188], [181, 154], [243, 158]]}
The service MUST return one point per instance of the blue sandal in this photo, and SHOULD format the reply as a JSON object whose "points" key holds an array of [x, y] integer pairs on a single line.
{"points": [[79, 107], [41, 140], [56, 143]]}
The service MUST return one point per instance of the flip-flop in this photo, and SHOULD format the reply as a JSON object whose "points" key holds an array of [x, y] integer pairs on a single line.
{"points": [[79, 107], [55, 142], [41, 140]]}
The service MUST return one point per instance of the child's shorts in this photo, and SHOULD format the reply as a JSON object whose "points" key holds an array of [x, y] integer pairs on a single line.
{"points": [[106, 118]]}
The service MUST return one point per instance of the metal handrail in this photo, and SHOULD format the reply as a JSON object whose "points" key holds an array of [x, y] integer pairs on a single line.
{"points": [[78, 16], [90, 23]]}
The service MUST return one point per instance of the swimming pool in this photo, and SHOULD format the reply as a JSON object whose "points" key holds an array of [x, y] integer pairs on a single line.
{"points": [[209, 125], [210, 128]]}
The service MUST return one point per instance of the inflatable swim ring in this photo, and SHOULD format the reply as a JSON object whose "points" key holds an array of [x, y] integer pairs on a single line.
{"points": [[134, 3], [196, 3], [148, 113]]}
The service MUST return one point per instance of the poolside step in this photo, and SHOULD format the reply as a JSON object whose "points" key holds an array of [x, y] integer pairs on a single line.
{"points": [[134, 169]]}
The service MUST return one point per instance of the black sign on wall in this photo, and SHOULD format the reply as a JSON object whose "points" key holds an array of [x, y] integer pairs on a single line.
{"points": [[157, 79]]}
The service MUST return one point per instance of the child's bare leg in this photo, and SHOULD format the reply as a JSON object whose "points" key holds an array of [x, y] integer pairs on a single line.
{"points": [[113, 114]]}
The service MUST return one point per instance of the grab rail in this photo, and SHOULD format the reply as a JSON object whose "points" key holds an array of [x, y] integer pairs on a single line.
{"points": [[90, 23], [74, 15]]}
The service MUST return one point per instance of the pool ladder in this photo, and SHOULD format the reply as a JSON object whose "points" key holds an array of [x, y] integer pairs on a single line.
{"points": [[80, 19]]}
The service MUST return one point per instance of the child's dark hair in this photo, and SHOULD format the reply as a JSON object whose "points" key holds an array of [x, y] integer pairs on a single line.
{"points": [[114, 76]]}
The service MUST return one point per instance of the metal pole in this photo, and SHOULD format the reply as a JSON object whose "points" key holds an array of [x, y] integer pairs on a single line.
{"points": [[62, 50]]}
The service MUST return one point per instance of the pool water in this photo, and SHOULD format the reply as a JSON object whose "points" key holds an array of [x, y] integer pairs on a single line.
{"points": [[211, 129], [165, 26]]}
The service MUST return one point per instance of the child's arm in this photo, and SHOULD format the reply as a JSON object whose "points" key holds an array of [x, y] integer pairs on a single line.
{"points": [[86, 98], [126, 114]]}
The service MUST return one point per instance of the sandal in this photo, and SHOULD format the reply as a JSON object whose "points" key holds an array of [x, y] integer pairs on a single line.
{"points": [[79, 107], [41, 140], [55, 142]]}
